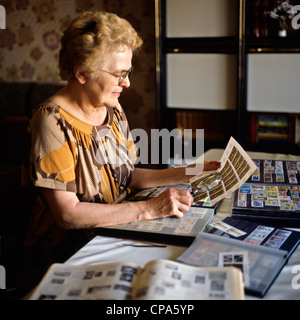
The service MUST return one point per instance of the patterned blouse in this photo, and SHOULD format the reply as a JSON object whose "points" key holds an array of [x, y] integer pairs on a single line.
{"points": [[65, 153]]}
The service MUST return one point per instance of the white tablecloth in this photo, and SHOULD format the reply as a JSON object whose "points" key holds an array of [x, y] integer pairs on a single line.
{"points": [[106, 249]]}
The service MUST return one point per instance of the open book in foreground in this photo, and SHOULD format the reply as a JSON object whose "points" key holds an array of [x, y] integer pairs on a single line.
{"points": [[159, 279]]}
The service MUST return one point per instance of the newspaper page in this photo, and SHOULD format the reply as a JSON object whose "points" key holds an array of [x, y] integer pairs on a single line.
{"points": [[171, 280], [236, 168], [160, 279]]}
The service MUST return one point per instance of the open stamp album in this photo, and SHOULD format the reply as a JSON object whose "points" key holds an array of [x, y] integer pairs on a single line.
{"points": [[272, 193], [260, 265], [236, 168], [159, 280], [169, 230]]}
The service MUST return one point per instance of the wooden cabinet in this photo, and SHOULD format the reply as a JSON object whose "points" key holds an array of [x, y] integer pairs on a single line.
{"points": [[221, 67]]}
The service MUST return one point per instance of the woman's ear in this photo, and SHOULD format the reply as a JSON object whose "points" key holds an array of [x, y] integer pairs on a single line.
{"points": [[79, 74]]}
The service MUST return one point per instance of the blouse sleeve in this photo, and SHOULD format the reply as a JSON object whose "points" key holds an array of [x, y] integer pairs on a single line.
{"points": [[53, 153]]}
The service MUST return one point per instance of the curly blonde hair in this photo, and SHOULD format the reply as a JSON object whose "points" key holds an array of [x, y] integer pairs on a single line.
{"points": [[89, 39]]}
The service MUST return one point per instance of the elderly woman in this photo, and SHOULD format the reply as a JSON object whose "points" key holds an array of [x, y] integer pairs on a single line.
{"points": [[73, 135]]}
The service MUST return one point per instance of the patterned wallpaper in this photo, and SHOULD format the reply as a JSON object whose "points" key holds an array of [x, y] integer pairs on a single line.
{"points": [[30, 44]]}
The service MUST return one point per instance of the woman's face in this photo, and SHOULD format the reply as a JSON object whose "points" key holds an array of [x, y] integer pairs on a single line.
{"points": [[105, 89]]}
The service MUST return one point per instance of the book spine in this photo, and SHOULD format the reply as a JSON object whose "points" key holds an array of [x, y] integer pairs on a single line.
{"points": [[256, 22], [264, 18]]}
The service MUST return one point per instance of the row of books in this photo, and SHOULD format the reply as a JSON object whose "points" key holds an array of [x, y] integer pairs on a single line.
{"points": [[268, 128], [259, 19], [216, 125], [272, 128]]}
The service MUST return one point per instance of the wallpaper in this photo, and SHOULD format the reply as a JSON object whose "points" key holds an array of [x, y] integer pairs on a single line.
{"points": [[30, 44]]}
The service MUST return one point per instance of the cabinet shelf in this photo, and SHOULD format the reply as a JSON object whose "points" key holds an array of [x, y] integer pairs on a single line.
{"points": [[201, 45], [273, 45]]}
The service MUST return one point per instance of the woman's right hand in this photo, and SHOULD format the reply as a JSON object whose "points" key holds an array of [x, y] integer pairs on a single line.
{"points": [[172, 202]]}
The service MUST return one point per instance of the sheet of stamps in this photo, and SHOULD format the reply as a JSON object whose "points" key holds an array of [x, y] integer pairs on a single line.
{"points": [[273, 186], [220, 225], [238, 260], [276, 171], [236, 168], [269, 197], [259, 235]]}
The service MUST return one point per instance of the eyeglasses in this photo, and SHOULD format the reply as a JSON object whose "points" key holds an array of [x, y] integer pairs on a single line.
{"points": [[124, 74]]}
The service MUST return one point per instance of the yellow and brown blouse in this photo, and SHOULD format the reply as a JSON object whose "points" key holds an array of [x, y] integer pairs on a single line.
{"points": [[68, 154]]}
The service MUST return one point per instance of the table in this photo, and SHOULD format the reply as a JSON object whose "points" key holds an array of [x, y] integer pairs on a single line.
{"points": [[108, 249]]}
